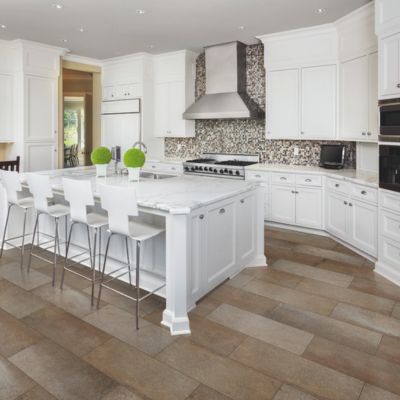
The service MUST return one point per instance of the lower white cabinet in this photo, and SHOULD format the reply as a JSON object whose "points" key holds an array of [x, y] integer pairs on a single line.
{"points": [[6, 108], [296, 206], [336, 214]]}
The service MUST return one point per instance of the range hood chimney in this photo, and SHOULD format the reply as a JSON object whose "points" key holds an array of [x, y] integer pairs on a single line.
{"points": [[225, 96]]}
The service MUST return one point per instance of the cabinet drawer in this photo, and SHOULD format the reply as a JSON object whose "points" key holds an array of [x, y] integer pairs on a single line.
{"points": [[364, 193], [338, 186], [283, 179], [257, 176], [389, 251], [309, 180], [173, 168], [391, 201], [390, 225]]}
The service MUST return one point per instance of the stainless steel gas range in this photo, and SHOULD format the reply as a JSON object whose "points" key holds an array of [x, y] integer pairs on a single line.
{"points": [[223, 165]]}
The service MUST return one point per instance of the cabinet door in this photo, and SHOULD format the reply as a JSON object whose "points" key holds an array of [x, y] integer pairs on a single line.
{"points": [[364, 227], [309, 207], [176, 100], [40, 156], [318, 102], [282, 104], [161, 110], [246, 220], [354, 99], [389, 66], [6, 107], [221, 242], [337, 210], [373, 124], [283, 204]]}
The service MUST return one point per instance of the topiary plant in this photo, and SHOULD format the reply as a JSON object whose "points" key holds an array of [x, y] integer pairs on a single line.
{"points": [[101, 155], [134, 158]]}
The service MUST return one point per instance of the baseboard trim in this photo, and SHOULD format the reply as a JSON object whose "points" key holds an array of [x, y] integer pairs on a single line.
{"points": [[388, 272]]}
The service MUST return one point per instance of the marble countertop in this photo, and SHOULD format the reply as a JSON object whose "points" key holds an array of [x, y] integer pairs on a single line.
{"points": [[368, 178], [175, 195]]}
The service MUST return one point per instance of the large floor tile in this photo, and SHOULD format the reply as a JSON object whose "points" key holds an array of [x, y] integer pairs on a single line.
{"points": [[206, 393], [213, 336], [396, 311], [205, 306], [367, 319], [345, 295], [355, 363], [70, 332], [288, 254], [287, 392], [329, 328], [262, 328], [240, 280], [122, 393], [37, 393], [133, 368], [371, 392], [71, 300], [281, 278], [61, 373], [389, 348], [243, 299], [303, 270], [149, 338], [378, 288], [26, 280], [13, 382], [15, 335], [18, 302], [222, 374], [291, 368], [298, 299], [349, 269]]}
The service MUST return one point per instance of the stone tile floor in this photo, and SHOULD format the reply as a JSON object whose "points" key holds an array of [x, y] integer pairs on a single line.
{"points": [[318, 323]]}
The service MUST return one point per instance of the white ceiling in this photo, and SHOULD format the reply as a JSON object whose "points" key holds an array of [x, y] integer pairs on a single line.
{"points": [[114, 28]]}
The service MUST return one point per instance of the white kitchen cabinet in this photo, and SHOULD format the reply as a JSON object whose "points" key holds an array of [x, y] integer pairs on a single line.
{"points": [[389, 67], [387, 17], [359, 98], [246, 222], [282, 93], [309, 207], [6, 108], [336, 214], [122, 92], [40, 156], [283, 204], [318, 102]]}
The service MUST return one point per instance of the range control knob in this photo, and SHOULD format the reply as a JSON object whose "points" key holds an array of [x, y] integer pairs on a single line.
{"points": [[221, 171], [237, 172], [230, 172], [200, 168], [226, 170], [205, 168], [186, 168], [215, 170]]}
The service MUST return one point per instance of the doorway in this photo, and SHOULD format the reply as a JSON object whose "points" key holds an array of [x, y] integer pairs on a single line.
{"points": [[77, 117]]}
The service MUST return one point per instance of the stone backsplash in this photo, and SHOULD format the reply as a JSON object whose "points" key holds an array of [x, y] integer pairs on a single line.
{"points": [[247, 136]]}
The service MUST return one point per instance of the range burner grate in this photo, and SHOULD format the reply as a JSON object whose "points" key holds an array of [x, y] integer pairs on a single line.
{"points": [[235, 163], [202, 161]]}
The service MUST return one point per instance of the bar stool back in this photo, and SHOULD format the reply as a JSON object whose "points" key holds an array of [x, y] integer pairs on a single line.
{"points": [[12, 185], [79, 195], [121, 204], [40, 187]]}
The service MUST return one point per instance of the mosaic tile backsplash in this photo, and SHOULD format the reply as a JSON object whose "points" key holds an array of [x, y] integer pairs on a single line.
{"points": [[247, 136]]}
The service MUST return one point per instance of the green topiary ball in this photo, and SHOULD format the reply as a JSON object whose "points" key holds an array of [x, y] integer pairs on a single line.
{"points": [[101, 155], [134, 158]]}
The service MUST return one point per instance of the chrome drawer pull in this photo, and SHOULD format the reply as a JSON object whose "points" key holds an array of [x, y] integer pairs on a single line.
{"points": [[282, 178], [363, 192], [201, 216], [351, 205], [222, 211], [153, 166], [345, 203], [242, 201], [308, 180], [337, 185], [173, 168]]}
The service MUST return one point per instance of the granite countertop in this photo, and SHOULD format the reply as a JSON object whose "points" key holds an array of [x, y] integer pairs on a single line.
{"points": [[175, 195], [368, 178]]}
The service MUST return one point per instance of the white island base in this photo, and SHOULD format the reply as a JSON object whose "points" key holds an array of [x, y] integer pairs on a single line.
{"points": [[213, 229]]}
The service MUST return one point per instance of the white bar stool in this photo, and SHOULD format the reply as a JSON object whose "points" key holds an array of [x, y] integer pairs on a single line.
{"points": [[79, 195], [12, 185], [40, 187], [120, 203]]}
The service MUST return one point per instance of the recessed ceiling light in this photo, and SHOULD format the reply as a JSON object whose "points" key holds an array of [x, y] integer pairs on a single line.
{"points": [[320, 10], [81, 29], [150, 46], [65, 40], [241, 27], [140, 12], [2, 26], [58, 6]]}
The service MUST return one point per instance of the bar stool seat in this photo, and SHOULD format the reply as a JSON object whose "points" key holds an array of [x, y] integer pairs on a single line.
{"points": [[95, 220], [26, 202], [140, 231], [58, 210]]}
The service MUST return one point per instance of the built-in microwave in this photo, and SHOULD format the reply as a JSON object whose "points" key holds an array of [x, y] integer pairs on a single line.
{"points": [[389, 167], [389, 120]]}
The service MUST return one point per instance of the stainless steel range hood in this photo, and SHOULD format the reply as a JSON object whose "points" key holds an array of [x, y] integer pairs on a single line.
{"points": [[225, 96]]}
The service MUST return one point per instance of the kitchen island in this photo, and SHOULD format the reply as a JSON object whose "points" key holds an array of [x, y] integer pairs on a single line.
{"points": [[213, 229]]}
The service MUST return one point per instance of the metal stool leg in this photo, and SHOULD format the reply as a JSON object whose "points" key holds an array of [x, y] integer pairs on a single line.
{"points": [[99, 262], [23, 239], [5, 229], [56, 244], [89, 245], [137, 282], [33, 240], [66, 254], [104, 268], [129, 262], [94, 264]]}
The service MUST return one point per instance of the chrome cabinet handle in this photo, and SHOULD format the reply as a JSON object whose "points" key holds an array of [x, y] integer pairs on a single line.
{"points": [[153, 166], [363, 192], [345, 203], [173, 168], [222, 211], [369, 133], [242, 201], [201, 216], [257, 176], [351, 205], [337, 185], [363, 133], [398, 85], [282, 178], [293, 192], [302, 133], [308, 180]]}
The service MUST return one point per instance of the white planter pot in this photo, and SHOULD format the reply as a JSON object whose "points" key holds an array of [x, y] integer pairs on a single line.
{"points": [[133, 174], [101, 170]]}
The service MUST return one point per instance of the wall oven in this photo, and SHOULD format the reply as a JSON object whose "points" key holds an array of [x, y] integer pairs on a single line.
{"points": [[389, 120], [389, 167]]}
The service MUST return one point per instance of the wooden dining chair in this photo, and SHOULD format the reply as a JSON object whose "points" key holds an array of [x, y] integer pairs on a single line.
{"points": [[10, 165]]}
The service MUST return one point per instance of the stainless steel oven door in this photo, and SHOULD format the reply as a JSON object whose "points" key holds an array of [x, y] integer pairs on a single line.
{"points": [[389, 121]]}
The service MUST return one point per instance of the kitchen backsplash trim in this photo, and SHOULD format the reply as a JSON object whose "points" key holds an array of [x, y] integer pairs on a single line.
{"points": [[247, 136]]}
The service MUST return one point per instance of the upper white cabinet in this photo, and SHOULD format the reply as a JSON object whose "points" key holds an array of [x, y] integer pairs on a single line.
{"points": [[389, 67], [174, 80], [387, 17], [318, 102], [6, 108]]}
